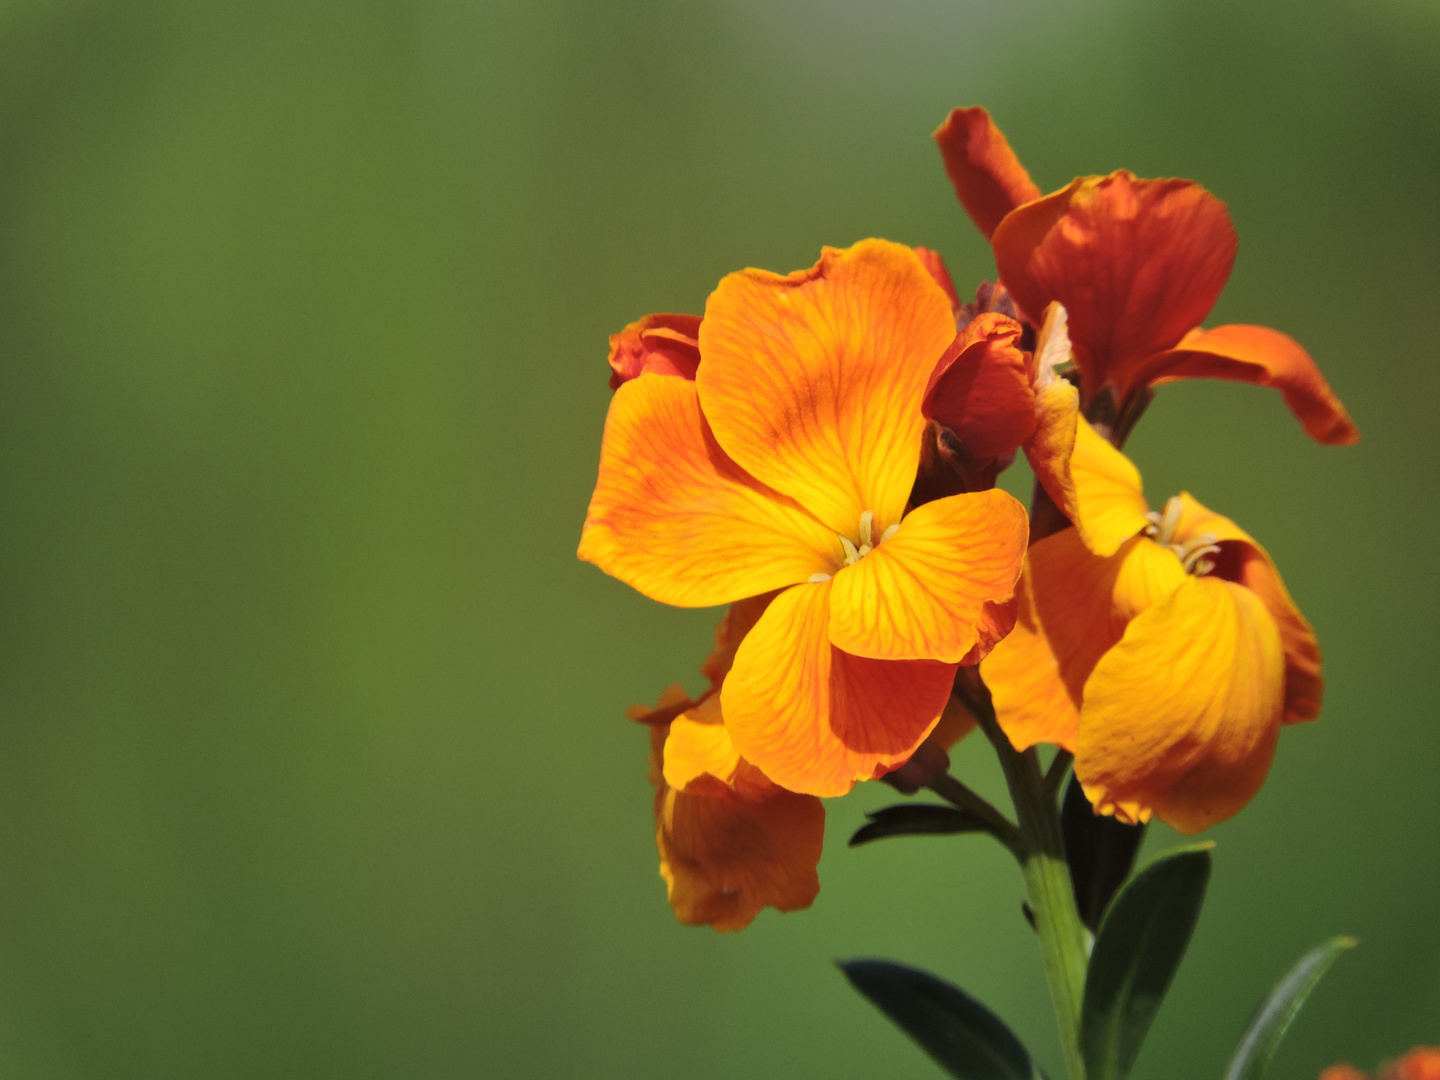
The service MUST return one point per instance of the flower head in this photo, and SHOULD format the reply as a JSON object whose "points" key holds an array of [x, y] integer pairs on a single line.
{"points": [[1165, 653], [1421, 1063], [1138, 264], [788, 464]]}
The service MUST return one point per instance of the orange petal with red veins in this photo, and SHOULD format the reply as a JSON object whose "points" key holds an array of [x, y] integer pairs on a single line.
{"points": [[989, 179], [1246, 563], [933, 263], [1181, 717], [981, 388], [1137, 263], [676, 519], [663, 344], [729, 632], [921, 594], [1109, 498], [1257, 354], [813, 382], [815, 719]]}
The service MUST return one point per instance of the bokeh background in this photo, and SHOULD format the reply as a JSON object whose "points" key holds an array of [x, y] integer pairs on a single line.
{"points": [[312, 753]]}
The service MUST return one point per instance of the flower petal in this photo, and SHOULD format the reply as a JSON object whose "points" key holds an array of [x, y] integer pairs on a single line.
{"points": [[1246, 563], [1181, 717], [980, 389], [1109, 498], [815, 719], [676, 519], [921, 594], [1057, 412], [724, 856], [813, 382], [1257, 354], [1137, 263], [933, 263], [663, 344], [989, 179], [1074, 606]]}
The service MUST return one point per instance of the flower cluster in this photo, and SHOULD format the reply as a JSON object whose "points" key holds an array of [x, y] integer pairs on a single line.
{"points": [[819, 452]]}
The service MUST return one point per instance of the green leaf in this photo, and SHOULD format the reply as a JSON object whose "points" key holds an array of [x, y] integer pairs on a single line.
{"points": [[1267, 1027], [1101, 853], [915, 819], [966, 1038], [1140, 944]]}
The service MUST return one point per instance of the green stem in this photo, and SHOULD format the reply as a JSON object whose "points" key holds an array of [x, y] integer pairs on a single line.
{"points": [[1047, 880], [997, 824]]}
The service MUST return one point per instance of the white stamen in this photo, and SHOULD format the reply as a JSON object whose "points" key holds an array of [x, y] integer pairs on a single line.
{"points": [[889, 532], [816, 579], [852, 554], [867, 522]]}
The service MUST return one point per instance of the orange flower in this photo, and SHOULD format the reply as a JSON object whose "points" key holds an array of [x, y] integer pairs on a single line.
{"points": [[1138, 264], [730, 841], [787, 464], [1422, 1063], [1165, 655]]}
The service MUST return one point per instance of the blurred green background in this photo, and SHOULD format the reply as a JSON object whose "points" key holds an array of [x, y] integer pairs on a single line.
{"points": [[312, 752]]}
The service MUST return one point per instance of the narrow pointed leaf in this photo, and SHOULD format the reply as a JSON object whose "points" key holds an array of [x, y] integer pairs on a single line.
{"points": [[915, 819], [1271, 1020], [1100, 850], [963, 1036], [1138, 948]]}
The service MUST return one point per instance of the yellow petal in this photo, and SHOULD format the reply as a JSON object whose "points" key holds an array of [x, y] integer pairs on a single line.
{"points": [[1074, 606], [1243, 561], [815, 719], [1181, 717], [1110, 502], [921, 594], [676, 519], [813, 381], [698, 745]]}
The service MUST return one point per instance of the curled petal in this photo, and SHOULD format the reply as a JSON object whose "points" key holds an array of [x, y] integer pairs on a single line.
{"points": [[989, 179], [662, 344], [815, 719], [980, 389], [1257, 354], [1246, 563], [1181, 717], [813, 382], [921, 594], [1137, 263], [1109, 498], [676, 519], [1057, 412]]}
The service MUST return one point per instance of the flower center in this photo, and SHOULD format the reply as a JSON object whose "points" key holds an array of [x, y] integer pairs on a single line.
{"points": [[868, 542], [1194, 555]]}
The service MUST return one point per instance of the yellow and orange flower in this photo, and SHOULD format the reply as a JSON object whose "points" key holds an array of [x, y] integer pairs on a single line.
{"points": [[1165, 653], [787, 464], [731, 842], [1138, 264], [1421, 1063]]}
